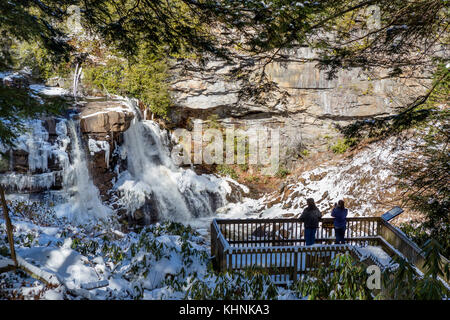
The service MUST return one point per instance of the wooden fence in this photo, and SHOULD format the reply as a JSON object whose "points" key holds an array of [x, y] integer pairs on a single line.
{"points": [[283, 232], [278, 245]]}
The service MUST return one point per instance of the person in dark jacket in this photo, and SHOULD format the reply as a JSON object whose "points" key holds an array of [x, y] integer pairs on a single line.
{"points": [[311, 217], [339, 213]]}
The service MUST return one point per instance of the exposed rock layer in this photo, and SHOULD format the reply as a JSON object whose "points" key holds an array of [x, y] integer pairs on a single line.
{"points": [[299, 98]]}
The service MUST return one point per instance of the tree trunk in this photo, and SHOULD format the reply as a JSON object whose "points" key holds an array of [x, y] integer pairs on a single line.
{"points": [[9, 227]]}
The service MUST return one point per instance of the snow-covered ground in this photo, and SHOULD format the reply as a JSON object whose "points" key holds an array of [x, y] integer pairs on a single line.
{"points": [[92, 258], [135, 265], [365, 181], [160, 262]]}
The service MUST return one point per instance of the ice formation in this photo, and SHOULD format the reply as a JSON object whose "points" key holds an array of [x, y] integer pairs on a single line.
{"points": [[97, 146], [35, 142], [84, 200], [81, 199], [155, 183]]}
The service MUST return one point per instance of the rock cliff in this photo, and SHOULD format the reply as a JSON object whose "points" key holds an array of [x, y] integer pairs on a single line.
{"points": [[297, 97]]}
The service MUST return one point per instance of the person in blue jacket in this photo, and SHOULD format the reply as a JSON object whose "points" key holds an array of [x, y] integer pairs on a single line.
{"points": [[339, 213]]}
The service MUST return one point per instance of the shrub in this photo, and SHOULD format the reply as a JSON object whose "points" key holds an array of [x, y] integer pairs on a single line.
{"points": [[344, 278], [226, 170], [305, 152], [406, 284], [282, 172], [39, 60], [342, 145], [144, 79], [244, 167], [36, 212], [213, 122], [253, 283], [252, 178]]}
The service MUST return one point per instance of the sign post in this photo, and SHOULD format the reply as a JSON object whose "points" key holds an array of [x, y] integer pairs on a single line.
{"points": [[391, 214]]}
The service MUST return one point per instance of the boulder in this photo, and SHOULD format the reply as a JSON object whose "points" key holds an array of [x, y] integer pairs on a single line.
{"points": [[102, 124], [105, 117]]}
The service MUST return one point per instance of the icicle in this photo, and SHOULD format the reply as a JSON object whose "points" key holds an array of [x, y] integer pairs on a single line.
{"points": [[11, 160]]}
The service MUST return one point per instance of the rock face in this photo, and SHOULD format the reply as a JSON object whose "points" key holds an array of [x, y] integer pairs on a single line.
{"points": [[36, 162], [105, 117], [102, 124], [299, 98]]}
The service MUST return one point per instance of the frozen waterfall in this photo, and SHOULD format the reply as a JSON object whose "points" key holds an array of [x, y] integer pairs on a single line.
{"points": [[154, 184], [84, 202]]}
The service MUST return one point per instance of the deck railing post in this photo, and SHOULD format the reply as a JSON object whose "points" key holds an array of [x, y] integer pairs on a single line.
{"points": [[294, 271], [274, 231], [379, 226], [213, 239]]}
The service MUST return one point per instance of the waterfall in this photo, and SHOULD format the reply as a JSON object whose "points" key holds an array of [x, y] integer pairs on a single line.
{"points": [[156, 185], [76, 78], [79, 201], [84, 202]]}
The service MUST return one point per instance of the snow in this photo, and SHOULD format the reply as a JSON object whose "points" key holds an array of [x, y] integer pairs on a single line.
{"points": [[10, 75], [49, 277], [5, 262], [248, 208], [153, 264], [60, 254], [377, 254], [48, 91], [95, 284], [356, 179], [34, 88], [67, 264], [119, 109], [97, 146]]}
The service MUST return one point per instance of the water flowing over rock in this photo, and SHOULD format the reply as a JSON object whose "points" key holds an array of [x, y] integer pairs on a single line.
{"points": [[84, 202], [102, 125], [104, 157], [153, 187]]}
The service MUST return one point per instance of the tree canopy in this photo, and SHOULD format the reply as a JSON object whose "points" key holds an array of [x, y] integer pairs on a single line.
{"points": [[398, 35], [367, 33]]}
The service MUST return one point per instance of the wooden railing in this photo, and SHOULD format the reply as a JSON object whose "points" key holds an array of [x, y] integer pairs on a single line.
{"points": [[395, 241], [276, 232], [278, 245]]}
